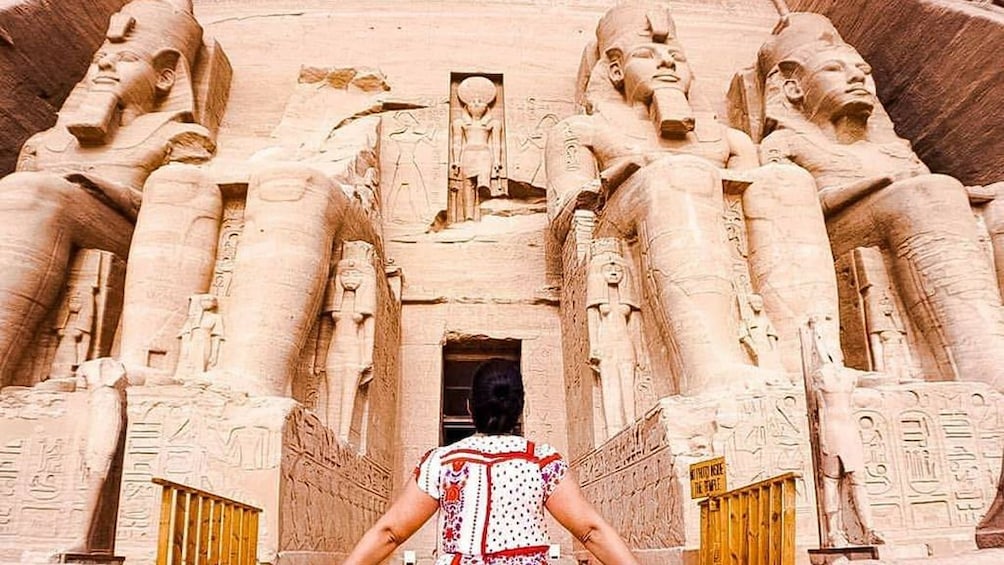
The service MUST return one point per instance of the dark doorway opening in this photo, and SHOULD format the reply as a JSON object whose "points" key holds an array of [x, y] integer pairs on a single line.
{"points": [[460, 359]]}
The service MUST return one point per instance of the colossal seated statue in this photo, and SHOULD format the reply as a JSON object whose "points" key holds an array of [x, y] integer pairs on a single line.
{"points": [[820, 112], [80, 184], [652, 168]]}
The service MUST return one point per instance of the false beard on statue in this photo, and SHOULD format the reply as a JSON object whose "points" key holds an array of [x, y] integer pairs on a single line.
{"points": [[92, 123], [671, 112]]}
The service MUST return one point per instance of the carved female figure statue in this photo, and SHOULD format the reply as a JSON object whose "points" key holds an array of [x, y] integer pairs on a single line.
{"points": [[103, 451], [475, 154], [73, 328], [758, 335], [890, 353], [351, 302], [201, 336], [614, 335]]}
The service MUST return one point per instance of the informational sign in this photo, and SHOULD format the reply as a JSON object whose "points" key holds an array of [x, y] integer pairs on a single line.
{"points": [[707, 478]]}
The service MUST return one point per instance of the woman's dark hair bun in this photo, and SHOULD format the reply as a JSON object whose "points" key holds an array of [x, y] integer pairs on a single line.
{"points": [[496, 397]]}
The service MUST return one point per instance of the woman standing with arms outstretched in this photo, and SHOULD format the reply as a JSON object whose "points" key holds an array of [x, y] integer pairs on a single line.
{"points": [[491, 490]]}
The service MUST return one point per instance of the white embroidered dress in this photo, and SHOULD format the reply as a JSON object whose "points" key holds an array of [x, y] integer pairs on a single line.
{"points": [[491, 492]]}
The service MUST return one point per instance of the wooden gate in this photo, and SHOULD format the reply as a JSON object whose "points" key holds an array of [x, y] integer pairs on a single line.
{"points": [[198, 528], [752, 525]]}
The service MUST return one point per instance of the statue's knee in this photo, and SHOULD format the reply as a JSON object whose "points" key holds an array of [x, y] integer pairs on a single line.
{"points": [[288, 182], [34, 190], [181, 184]]}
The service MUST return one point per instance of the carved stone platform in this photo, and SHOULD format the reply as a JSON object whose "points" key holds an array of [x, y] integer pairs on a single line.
{"points": [[916, 437], [90, 559], [830, 555], [270, 452]]}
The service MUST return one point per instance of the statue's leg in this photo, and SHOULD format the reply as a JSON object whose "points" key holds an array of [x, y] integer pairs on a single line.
{"points": [[674, 208], [789, 257], [835, 535], [292, 215], [939, 266], [626, 382], [859, 495], [172, 257], [613, 401], [43, 218]]}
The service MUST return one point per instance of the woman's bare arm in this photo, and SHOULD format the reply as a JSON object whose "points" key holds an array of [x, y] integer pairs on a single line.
{"points": [[571, 509], [401, 520]]}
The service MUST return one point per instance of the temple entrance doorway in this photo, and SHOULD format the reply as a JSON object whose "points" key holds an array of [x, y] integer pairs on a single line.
{"points": [[460, 359]]}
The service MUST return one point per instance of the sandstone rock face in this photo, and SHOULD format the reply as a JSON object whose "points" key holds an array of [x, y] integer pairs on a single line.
{"points": [[44, 50]]}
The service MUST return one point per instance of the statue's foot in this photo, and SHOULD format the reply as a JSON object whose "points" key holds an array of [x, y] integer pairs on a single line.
{"points": [[837, 538], [140, 375], [758, 378], [872, 537], [61, 384]]}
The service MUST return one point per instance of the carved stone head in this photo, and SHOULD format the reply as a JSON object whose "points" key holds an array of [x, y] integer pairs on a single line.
{"points": [[609, 269], [476, 94], [808, 69], [639, 42], [150, 46], [355, 272]]}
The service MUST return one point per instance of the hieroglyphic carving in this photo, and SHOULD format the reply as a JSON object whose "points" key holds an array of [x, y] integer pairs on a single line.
{"points": [[335, 493], [631, 481], [409, 135], [226, 256]]}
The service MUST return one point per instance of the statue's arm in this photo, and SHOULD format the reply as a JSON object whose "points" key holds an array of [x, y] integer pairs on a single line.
{"points": [[593, 316], [188, 143], [456, 146], [573, 181], [836, 198], [27, 159], [777, 148], [495, 141], [742, 151]]}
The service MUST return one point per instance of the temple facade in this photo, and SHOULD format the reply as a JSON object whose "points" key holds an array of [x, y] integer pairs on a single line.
{"points": [[258, 247]]}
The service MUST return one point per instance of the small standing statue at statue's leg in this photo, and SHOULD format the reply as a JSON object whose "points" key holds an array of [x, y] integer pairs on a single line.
{"points": [[839, 455], [201, 337], [475, 154], [73, 328], [614, 334], [351, 303], [103, 452]]}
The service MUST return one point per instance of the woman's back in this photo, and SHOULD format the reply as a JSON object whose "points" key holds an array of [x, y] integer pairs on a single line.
{"points": [[491, 491]]}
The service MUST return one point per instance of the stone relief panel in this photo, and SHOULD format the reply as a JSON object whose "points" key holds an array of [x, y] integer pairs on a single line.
{"points": [[333, 494], [632, 483], [266, 452]]}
